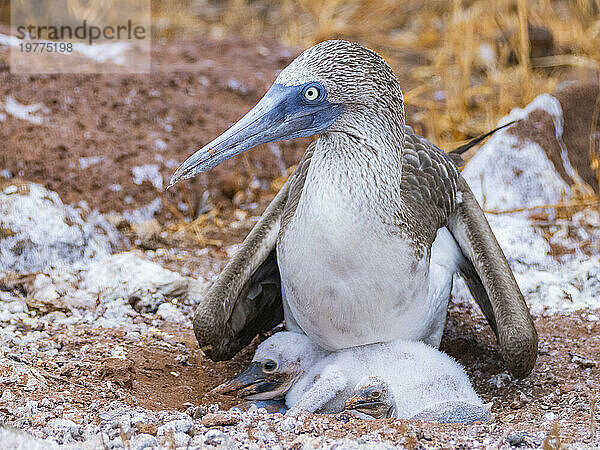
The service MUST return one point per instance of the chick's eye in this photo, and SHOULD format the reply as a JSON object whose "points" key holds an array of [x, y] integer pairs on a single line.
{"points": [[312, 93], [375, 394], [269, 366]]}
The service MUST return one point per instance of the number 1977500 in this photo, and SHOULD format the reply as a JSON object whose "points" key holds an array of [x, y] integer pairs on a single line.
{"points": [[48, 47]]}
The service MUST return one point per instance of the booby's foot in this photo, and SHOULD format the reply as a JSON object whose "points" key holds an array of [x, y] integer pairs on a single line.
{"points": [[456, 412]]}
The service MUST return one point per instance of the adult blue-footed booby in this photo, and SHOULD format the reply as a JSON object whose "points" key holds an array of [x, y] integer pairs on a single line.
{"points": [[344, 249]]}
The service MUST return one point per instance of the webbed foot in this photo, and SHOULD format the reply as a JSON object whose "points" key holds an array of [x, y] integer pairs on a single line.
{"points": [[456, 412]]}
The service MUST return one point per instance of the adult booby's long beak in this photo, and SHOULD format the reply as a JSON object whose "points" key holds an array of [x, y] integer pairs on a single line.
{"points": [[254, 384], [283, 113]]}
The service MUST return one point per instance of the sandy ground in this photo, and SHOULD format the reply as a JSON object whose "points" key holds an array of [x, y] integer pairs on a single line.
{"points": [[87, 366]]}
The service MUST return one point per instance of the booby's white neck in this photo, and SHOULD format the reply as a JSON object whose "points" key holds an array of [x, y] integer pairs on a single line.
{"points": [[380, 126], [365, 173]]}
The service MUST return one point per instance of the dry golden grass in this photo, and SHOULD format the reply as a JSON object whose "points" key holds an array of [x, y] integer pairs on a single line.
{"points": [[470, 81], [475, 60]]}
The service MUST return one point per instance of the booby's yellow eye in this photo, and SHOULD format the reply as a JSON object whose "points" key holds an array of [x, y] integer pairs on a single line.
{"points": [[375, 394], [312, 93]]}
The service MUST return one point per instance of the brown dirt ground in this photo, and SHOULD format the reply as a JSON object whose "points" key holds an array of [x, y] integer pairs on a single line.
{"points": [[168, 372], [191, 90], [197, 89]]}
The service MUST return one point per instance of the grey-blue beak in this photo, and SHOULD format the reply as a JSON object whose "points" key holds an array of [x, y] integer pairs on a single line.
{"points": [[283, 113]]}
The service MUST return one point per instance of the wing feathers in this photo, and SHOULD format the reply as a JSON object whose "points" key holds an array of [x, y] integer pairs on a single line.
{"points": [[245, 299], [516, 332]]}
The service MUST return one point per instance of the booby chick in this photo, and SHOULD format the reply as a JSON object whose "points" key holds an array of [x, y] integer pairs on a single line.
{"points": [[344, 250], [311, 379], [374, 398]]}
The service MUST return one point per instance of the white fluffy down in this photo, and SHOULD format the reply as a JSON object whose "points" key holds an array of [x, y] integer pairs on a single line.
{"points": [[419, 375]]}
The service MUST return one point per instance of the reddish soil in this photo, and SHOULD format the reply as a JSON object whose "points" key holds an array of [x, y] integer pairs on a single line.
{"points": [[196, 90]]}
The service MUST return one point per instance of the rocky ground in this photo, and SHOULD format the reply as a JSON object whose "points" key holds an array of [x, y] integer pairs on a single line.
{"points": [[101, 268]]}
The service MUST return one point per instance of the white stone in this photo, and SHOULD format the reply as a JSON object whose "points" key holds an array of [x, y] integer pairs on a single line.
{"points": [[175, 426], [142, 441], [45, 232], [7, 395], [160, 145], [148, 172], [169, 312], [17, 307], [47, 402], [216, 438], [69, 429]]}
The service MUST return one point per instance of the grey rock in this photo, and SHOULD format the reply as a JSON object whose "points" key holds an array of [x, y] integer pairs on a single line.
{"points": [[175, 426], [518, 440], [66, 429], [142, 441], [39, 230], [176, 439], [217, 438]]}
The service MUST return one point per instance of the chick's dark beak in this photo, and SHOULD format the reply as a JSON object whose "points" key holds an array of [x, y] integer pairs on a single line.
{"points": [[366, 405], [253, 383]]}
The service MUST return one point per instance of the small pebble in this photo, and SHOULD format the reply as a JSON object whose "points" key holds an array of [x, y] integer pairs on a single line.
{"points": [[197, 412], [216, 438], [47, 402], [175, 426], [176, 440], [516, 440], [142, 441], [7, 395], [219, 420]]}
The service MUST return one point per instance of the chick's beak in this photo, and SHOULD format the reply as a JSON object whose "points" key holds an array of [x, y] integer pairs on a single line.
{"points": [[355, 402], [253, 383], [367, 406]]}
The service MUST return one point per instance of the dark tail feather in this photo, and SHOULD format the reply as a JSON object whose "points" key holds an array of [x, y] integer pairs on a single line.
{"points": [[472, 143]]}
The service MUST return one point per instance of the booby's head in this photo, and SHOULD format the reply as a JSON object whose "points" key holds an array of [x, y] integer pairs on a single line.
{"points": [[277, 364], [372, 398], [334, 86]]}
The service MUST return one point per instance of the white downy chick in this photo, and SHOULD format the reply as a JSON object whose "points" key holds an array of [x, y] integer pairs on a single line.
{"points": [[374, 399], [313, 380]]}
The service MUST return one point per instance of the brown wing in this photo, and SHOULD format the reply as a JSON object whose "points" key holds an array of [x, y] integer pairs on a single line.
{"points": [[439, 197], [429, 182], [246, 298], [493, 284]]}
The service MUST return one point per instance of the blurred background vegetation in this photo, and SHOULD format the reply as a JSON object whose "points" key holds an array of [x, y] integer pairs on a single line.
{"points": [[470, 61], [463, 64]]}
